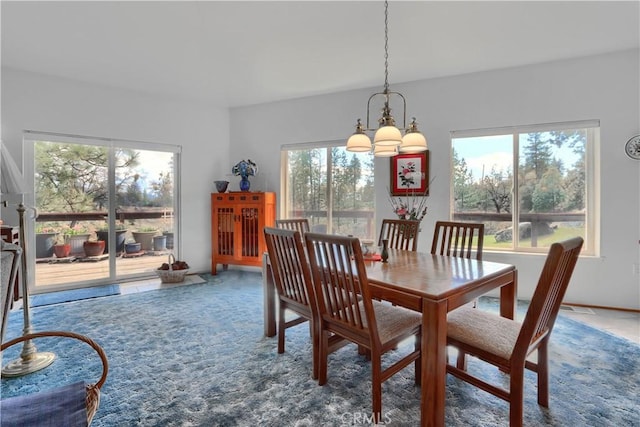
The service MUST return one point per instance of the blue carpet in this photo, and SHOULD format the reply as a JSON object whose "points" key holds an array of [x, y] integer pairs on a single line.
{"points": [[195, 355], [74, 295]]}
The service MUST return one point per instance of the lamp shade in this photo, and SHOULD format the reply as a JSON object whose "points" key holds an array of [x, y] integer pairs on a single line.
{"points": [[11, 180], [385, 150], [387, 135], [359, 142], [413, 142]]}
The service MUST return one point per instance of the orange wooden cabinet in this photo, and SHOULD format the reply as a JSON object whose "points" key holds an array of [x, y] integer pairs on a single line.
{"points": [[237, 223]]}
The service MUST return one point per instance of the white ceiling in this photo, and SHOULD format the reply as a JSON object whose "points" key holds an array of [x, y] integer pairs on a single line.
{"points": [[242, 53]]}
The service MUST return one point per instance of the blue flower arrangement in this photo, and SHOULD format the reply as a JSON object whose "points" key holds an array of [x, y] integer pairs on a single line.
{"points": [[245, 168]]}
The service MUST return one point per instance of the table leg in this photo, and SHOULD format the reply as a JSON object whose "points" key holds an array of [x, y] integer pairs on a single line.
{"points": [[434, 360], [269, 293], [509, 298]]}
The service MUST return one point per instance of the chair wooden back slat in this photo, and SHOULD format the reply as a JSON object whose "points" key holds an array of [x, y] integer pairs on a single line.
{"points": [[338, 269], [458, 239], [290, 268], [400, 233], [301, 225], [549, 293]]}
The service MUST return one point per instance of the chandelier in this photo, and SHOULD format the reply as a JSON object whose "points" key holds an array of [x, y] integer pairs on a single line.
{"points": [[388, 140]]}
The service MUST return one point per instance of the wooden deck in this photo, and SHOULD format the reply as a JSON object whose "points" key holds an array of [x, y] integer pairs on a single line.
{"points": [[57, 273]]}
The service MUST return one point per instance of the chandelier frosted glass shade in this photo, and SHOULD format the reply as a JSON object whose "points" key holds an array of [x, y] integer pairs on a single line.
{"points": [[385, 150], [413, 142], [359, 143], [387, 135]]}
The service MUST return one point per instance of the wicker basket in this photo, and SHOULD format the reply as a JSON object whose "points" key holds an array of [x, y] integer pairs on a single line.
{"points": [[171, 275]]}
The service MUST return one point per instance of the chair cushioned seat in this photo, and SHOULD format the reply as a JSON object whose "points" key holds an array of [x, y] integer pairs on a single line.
{"points": [[487, 331], [393, 320], [62, 406]]}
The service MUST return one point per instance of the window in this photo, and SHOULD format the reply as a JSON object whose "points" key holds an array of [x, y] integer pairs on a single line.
{"points": [[101, 189], [539, 179], [331, 187]]}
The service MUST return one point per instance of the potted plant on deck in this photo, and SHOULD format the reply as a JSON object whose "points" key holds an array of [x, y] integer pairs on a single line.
{"points": [[45, 239], [61, 248], [103, 234], [131, 247], [144, 236], [93, 248], [76, 236]]}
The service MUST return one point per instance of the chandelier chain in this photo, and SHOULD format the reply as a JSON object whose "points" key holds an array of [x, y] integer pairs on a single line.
{"points": [[386, 46], [388, 140]]}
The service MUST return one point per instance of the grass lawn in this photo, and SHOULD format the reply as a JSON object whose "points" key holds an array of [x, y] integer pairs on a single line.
{"points": [[559, 234]]}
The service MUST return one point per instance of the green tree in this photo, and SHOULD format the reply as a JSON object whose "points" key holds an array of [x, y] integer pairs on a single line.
{"points": [[73, 177], [163, 190], [575, 187], [549, 193], [133, 194], [463, 188], [497, 186]]}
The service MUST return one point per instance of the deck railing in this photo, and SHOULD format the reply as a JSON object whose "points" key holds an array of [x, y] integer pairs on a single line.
{"points": [[121, 215], [536, 219]]}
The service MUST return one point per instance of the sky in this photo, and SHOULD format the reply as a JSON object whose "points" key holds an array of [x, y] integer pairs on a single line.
{"points": [[483, 153]]}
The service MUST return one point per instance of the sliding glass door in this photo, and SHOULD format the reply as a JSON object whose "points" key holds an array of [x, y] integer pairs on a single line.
{"points": [[106, 210]]}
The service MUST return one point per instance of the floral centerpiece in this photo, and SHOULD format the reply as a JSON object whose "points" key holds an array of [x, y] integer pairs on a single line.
{"points": [[412, 206], [244, 169]]}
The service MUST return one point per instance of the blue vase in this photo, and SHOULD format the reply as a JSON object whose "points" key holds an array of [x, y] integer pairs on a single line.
{"points": [[244, 183]]}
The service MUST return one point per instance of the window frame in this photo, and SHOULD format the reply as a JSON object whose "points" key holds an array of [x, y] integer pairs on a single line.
{"points": [[592, 178], [284, 181]]}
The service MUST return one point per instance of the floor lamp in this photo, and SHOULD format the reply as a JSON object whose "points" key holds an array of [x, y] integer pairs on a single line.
{"points": [[30, 359]]}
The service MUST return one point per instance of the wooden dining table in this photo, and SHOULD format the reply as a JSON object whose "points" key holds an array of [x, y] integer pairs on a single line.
{"points": [[433, 285]]}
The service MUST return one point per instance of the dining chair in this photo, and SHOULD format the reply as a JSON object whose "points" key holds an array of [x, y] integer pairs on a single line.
{"points": [[347, 310], [299, 224], [292, 278], [400, 233], [507, 343], [451, 238], [458, 239]]}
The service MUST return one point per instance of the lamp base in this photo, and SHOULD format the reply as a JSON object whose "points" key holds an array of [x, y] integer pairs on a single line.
{"points": [[20, 367]]}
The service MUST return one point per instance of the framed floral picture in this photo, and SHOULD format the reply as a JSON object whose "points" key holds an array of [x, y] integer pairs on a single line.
{"points": [[410, 174]]}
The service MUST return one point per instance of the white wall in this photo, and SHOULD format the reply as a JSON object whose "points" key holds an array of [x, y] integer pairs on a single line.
{"points": [[42, 103], [604, 87]]}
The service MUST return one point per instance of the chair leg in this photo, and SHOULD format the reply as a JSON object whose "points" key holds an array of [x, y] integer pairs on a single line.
{"points": [[543, 374], [281, 328], [418, 362], [315, 348], [516, 396], [322, 357], [376, 387]]}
